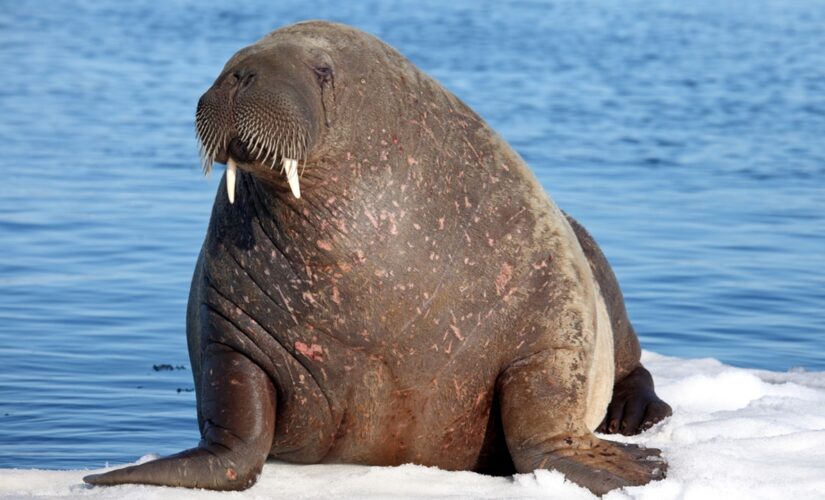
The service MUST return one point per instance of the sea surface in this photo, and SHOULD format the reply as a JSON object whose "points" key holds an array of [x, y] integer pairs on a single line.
{"points": [[689, 137]]}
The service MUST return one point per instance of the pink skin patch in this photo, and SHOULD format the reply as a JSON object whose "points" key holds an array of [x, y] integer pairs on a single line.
{"points": [[457, 332], [503, 277], [313, 352], [371, 217]]}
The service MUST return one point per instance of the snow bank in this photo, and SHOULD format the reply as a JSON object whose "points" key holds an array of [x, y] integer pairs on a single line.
{"points": [[735, 433]]}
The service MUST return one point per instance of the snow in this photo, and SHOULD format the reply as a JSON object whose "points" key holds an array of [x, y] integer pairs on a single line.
{"points": [[735, 433]]}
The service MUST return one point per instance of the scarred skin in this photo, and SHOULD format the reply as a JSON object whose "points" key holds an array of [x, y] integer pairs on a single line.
{"points": [[424, 300]]}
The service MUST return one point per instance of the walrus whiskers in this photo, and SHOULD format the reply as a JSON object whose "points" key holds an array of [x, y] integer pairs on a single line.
{"points": [[265, 143]]}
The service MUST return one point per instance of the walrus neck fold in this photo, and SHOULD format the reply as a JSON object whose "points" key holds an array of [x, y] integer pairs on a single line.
{"points": [[284, 219]]}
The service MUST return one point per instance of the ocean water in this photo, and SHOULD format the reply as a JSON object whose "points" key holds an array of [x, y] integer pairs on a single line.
{"points": [[689, 137]]}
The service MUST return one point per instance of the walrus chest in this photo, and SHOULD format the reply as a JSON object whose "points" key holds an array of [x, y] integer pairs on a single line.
{"points": [[381, 416], [377, 382], [384, 333]]}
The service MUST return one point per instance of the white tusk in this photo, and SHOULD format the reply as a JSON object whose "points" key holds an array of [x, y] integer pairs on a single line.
{"points": [[231, 168], [291, 167]]}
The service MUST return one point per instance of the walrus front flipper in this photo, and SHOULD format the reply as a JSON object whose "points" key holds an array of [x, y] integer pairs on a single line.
{"points": [[635, 407], [238, 409], [543, 408]]}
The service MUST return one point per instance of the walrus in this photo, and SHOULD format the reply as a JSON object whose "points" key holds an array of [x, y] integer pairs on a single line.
{"points": [[384, 281]]}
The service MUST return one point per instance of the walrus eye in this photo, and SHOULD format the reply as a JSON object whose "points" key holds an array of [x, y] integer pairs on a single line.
{"points": [[324, 74]]}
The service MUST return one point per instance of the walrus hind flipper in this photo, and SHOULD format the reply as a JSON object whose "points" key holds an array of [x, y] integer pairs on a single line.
{"points": [[601, 466], [238, 407], [542, 412], [635, 407]]}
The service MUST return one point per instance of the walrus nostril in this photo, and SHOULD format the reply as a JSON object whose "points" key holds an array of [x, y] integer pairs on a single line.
{"points": [[247, 81], [243, 77]]}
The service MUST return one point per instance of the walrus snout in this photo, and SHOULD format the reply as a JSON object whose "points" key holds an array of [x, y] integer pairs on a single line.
{"points": [[273, 120], [263, 114]]}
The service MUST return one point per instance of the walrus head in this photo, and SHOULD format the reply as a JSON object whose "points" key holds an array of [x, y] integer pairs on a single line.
{"points": [[314, 103], [265, 110]]}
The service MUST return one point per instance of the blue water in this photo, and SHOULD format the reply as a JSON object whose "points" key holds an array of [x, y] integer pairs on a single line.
{"points": [[689, 137]]}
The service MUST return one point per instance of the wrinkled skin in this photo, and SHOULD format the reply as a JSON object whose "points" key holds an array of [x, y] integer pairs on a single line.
{"points": [[423, 301]]}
